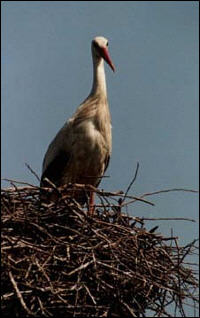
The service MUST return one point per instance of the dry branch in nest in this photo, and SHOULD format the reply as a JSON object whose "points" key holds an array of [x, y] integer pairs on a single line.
{"points": [[59, 261]]}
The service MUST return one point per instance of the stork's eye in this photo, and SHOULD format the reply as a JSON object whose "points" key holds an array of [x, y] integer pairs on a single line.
{"points": [[107, 44]]}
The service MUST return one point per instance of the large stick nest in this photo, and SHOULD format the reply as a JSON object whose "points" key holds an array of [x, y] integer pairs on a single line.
{"points": [[59, 261]]}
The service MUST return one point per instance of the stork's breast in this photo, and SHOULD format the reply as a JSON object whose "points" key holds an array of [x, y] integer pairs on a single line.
{"points": [[90, 151]]}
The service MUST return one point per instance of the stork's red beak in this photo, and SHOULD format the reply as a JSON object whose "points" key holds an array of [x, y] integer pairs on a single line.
{"points": [[106, 57]]}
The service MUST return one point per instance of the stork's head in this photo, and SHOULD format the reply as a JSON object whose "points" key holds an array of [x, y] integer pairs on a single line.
{"points": [[100, 50]]}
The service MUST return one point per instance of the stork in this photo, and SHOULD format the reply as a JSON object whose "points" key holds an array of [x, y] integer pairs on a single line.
{"points": [[81, 150]]}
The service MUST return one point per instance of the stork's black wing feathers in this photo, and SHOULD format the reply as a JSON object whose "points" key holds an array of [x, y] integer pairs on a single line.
{"points": [[107, 160], [54, 170]]}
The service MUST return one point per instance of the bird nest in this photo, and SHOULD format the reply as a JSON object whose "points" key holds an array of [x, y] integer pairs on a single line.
{"points": [[59, 261]]}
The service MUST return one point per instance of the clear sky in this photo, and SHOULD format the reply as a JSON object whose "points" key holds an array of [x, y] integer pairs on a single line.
{"points": [[153, 96]]}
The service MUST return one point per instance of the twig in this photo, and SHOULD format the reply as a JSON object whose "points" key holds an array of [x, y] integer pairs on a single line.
{"points": [[130, 185], [83, 266], [33, 172], [19, 295], [169, 190], [167, 219], [20, 182]]}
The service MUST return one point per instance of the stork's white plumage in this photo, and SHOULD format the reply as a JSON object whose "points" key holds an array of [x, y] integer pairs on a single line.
{"points": [[81, 150]]}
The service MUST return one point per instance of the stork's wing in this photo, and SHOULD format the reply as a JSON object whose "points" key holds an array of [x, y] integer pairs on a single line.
{"points": [[107, 160], [58, 155], [54, 170]]}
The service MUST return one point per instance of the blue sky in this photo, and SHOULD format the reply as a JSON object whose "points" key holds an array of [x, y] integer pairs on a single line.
{"points": [[153, 96]]}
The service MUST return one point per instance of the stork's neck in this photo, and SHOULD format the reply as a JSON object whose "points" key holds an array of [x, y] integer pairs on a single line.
{"points": [[99, 78]]}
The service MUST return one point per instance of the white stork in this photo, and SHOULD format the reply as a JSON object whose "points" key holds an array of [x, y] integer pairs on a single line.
{"points": [[81, 150]]}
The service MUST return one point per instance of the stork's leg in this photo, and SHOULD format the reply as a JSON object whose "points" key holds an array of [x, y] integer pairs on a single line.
{"points": [[91, 203]]}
